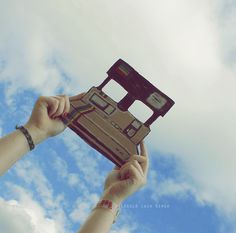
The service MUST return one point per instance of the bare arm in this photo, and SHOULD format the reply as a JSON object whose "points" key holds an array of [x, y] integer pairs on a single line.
{"points": [[120, 183], [42, 124], [100, 220], [15, 145]]}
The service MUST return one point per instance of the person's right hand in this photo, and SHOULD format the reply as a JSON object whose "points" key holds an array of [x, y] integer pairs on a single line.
{"points": [[124, 181]]}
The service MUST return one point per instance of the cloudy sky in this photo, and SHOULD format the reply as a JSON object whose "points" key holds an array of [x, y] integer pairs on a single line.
{"points": [[184, 47]]}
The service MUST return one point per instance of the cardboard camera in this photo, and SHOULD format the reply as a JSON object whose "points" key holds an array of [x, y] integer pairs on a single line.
{"points": [[108, 126]]}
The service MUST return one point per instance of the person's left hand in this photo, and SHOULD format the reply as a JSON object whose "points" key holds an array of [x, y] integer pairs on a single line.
{"points": [[44, 118]]}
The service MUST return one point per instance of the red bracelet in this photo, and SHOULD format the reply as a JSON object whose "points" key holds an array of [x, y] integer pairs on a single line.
{"points": [[108, 204]]}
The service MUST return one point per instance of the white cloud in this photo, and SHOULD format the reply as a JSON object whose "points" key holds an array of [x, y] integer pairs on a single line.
{"points": [[184, 47], [127, 224], [13, 218], [86, 161], [37, 183], [124, 229], [25, 215], [61, 168], [83, 207], [28, 170], [73, 179], [167, 187]]}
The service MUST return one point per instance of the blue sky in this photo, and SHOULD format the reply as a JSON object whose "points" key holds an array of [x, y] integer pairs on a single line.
{"points": [[44, 174], [186, 48]]}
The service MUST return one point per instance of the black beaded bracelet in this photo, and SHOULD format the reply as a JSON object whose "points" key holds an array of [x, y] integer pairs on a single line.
{"points": [[27, 135]]}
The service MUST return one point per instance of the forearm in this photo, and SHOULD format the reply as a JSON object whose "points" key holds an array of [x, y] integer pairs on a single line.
{"points": [[13, 146], [100, 220], [119, 184]]}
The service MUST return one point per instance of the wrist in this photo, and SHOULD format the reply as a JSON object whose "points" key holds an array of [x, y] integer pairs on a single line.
{"points": [[111, 197], [108, 205], [37, 135]]}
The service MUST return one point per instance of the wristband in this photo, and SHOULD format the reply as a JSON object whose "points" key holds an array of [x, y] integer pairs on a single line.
{"points": [[109, 205], [27, 135]]}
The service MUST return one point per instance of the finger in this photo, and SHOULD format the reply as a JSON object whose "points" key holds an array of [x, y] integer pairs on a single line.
{"points": [[129, 171], [67, 105], [124, 170], [66, 109], [52, 105], [134, 172], [61, 106], [77, 97], [125, 165], [143, 149], [135, 177], [141, 160], [144, 154], [133, 158], [138, 166]]}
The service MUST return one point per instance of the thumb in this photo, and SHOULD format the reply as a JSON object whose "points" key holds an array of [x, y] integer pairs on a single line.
{"points": [[77, 97]]}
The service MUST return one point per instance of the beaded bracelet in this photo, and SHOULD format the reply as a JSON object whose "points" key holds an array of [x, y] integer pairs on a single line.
{"points": [[27, 135], [111, 206]]}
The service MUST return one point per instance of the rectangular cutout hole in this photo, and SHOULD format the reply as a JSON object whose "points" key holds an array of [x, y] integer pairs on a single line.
{"points": [[114, 90], [140, 111]]}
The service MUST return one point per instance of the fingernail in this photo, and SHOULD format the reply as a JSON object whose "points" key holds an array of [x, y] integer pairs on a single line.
{"points": [[65, 114]]}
